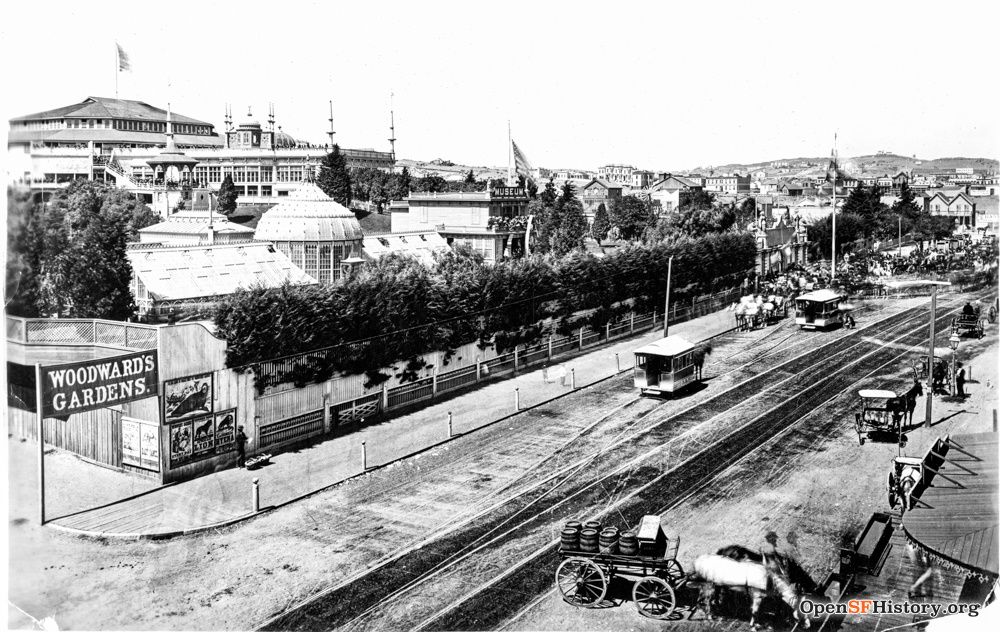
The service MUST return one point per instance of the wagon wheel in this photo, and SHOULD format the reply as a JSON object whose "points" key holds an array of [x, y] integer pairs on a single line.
{"points": [[581, 582], [674, 573], [891, 488], [654, 598]]}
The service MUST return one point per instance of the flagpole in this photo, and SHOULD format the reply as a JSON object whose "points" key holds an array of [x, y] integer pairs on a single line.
{"points": [[833, 236], [510, 155], [117, 68]]}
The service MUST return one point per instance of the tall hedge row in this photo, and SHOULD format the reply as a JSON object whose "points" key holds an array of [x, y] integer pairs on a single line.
{"points": [[397, 309]]}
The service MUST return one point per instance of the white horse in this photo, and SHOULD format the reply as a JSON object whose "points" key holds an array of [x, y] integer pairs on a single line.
{"points": [[756, 579]]}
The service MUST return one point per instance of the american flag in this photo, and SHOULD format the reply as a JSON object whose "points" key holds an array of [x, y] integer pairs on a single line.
{"points": [[521, 164], [123, 62]]}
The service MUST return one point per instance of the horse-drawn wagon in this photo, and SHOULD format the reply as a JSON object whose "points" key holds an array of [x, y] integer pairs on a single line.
{"points": [[883, 412], [969, 322], [592, 558]]}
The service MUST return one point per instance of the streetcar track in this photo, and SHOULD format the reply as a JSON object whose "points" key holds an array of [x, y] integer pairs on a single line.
{"points": [[848, 343], [893, 322], [713, 474]]}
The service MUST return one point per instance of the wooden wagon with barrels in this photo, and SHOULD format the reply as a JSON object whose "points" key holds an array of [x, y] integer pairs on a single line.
{"points": [[592, 557]]}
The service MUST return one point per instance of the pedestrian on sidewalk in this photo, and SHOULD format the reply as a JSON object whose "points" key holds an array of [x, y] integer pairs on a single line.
{"points": [[241, 447], [960, 380]]}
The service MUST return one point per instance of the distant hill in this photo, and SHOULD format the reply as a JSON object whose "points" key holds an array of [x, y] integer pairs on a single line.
{"points": [[880, 163]]}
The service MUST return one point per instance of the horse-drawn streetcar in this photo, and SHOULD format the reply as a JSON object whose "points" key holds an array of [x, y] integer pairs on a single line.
{"points": [[666, 366], [592, 558], [819, 310]]}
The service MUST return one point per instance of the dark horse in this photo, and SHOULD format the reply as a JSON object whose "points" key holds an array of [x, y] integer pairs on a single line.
{"points": [[698, 357], [907, 402]]}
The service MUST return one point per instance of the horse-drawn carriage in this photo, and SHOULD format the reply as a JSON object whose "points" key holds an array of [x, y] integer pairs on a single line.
{"points": [[592, 558], [883, 412], [969, 322]]}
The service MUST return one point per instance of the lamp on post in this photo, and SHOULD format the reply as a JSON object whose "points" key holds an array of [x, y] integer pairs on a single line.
{"points": [[953, 342]]}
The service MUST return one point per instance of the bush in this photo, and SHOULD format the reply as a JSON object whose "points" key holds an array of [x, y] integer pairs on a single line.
{"points": [[397, 309]]}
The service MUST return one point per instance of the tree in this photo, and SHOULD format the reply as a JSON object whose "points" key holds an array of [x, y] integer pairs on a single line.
{"points": [[334, 178], [227, 195], [696, 200], [399, 185], [599, 229], [850, 228], [631, 216], [747, 212], [549, 195], [71, 253], [470, 178], [431, 184], [866, 203], [568, 222]]}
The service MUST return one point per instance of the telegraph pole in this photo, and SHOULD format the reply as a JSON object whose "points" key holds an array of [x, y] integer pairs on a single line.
{"points": [[666, 301]]}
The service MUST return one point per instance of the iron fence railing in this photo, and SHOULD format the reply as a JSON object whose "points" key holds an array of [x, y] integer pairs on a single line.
{"points": [[80, 331]]}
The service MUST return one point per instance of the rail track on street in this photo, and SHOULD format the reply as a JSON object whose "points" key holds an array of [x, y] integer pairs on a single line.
{"points": [[506, 552]]}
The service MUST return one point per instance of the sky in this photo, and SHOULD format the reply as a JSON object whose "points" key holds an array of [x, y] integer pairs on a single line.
{"points": [[658, 85]]}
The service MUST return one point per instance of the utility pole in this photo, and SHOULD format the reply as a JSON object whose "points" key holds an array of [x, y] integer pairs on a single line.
{"points": [[833, 236], [666, 301], [899, 240], [930, 359]]}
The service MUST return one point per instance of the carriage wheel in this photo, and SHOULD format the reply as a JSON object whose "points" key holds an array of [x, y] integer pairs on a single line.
{"points": [[581, 582], [675, 573], [654, 598], [891, 488]]}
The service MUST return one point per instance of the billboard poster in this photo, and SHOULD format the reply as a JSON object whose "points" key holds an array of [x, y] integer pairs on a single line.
{"points": [[204, 435], [180, 443], [82, 386], [149, 447], [225, 431], [187, 397], [131, 442]]}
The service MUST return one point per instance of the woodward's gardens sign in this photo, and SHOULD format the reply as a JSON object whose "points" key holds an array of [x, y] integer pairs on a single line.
{"points": [[62, 390], [82, 386]]}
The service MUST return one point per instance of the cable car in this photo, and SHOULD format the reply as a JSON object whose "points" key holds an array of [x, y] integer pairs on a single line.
{"points": [[819, 309], [665, 366]]}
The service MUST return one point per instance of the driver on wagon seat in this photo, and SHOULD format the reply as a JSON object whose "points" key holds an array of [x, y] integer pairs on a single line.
{"points": [[968, 310]]}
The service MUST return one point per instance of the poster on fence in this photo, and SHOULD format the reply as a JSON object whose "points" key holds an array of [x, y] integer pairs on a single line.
{"points": [[149, 446], [131, 442], [180, 443], [225, 431], [187, 397], [204, 435]]}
